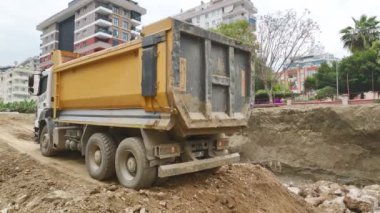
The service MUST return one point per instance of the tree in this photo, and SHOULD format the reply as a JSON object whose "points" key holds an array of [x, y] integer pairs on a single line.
{"points": [[310, 84], [241, 31], [326, 76], [362, 35], [360, 72], [282, 36]]}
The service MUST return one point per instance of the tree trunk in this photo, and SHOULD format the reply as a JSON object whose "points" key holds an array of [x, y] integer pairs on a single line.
{"points": [[253, 79], [373, 86], [271, 96], [348, 88]]}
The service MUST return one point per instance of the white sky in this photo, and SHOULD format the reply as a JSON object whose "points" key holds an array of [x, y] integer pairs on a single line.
{"points": [[18, 19]]}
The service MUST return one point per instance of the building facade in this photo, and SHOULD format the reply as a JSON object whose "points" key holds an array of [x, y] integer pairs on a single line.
{"points": [[302, 68], [88, 26], [14, 81], [211, 14]]}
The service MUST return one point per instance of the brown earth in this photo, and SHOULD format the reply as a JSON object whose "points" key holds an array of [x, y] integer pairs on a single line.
{"points": [[31, 183], [339, 143]]}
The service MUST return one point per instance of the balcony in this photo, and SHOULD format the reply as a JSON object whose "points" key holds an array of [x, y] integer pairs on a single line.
{"points": [[103, 33], [103, 17], [104, 9], [136, 18], [135, 32], [98, 45], [103, 21], [20, 93]]}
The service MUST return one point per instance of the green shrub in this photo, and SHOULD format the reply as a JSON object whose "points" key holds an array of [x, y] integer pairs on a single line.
{"points": [[281, 94], [327, 92], [261, 95], [21, 107], [378, 101]]}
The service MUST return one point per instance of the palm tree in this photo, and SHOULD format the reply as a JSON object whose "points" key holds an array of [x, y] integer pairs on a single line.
{"points": [[361, 37]]}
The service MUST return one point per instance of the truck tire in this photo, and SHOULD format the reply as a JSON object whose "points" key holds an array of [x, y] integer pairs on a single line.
{"points": [[46, 147], [100, 156], [132, 166]]}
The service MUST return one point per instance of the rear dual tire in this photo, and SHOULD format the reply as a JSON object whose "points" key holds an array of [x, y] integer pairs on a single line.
{"points": [[132, 167], [100, 156]]}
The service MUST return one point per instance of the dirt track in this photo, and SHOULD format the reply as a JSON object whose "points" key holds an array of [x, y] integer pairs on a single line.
{"points": [[31, 183]]}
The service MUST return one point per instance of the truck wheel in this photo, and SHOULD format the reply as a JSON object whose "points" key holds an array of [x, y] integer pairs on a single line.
{"points": [[46, 148], [132, 167], [100, 156]]}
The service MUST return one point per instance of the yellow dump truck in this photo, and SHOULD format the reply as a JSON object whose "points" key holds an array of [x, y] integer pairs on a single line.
{"points": [[152, 108]]}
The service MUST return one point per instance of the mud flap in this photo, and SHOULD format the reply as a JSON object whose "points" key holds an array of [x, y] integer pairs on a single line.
{"points": [[197, 165]]}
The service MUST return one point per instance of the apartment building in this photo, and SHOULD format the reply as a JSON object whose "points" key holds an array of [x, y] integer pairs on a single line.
{"points": [[211, 14], [88, 26], [14, 80], [302, 68]]}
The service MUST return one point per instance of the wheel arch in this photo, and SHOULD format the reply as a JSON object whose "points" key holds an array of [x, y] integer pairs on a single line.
{"points": [[88, 131]]}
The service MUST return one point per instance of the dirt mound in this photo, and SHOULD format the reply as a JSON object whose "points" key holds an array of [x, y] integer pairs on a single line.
{"points": [[322, 140], [29, 186]]}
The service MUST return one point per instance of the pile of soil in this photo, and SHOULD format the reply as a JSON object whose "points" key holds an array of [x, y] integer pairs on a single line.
{"points": [[27, 185], [343, 142]]}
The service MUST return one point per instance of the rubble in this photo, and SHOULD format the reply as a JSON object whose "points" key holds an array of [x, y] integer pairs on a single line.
{"points": [[332, 197]]}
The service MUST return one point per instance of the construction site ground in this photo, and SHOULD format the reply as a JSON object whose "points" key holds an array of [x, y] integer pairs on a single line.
{"points": [[32, 183]]}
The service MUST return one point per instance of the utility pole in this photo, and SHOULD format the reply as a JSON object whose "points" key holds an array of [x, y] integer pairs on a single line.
{"points": [[337, 80]]}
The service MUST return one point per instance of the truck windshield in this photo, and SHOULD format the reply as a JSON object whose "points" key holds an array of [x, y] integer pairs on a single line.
{"points": [[43, 85]]}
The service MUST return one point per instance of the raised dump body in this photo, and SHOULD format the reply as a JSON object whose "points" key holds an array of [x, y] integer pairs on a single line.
{"points": [[152, 108], [177, 76]]}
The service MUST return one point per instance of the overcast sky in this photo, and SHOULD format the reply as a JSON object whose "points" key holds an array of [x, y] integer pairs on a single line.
{"points": [[18, 19]]}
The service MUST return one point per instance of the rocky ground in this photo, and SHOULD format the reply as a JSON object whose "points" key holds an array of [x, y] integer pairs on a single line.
{"points": [[29, 183], [332, 197], [303, 145]]}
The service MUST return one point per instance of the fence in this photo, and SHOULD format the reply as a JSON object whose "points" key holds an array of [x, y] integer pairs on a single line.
{"points": [[305, 103]]}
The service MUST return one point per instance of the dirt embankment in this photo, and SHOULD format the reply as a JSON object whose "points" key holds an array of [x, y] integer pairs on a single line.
{"points": [[318, 142], [35, 185]]}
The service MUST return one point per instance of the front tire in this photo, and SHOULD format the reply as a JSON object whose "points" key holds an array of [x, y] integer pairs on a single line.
{"points": [[46, 147], [132, 166], [100, 156]]}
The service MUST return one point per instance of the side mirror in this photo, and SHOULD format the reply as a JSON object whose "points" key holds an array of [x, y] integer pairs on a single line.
{"points": [[34, 84]]}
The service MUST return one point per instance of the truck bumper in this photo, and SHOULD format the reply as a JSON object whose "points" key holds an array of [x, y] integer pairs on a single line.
{"points": [[195, 166]]}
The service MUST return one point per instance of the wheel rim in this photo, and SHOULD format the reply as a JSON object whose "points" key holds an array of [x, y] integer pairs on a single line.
{"points": [[96, 157], [128, 166], [45, 141]]}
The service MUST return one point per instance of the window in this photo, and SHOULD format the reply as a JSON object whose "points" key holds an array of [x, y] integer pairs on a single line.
{"points": [[125, 36], [116, 21], [115, 9], [115, 42], [43, 85], [115, 33], [126, 13], [125, 24]]}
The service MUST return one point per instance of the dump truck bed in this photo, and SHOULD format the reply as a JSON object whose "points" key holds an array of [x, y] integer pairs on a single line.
{"points": [[177, 76]]}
